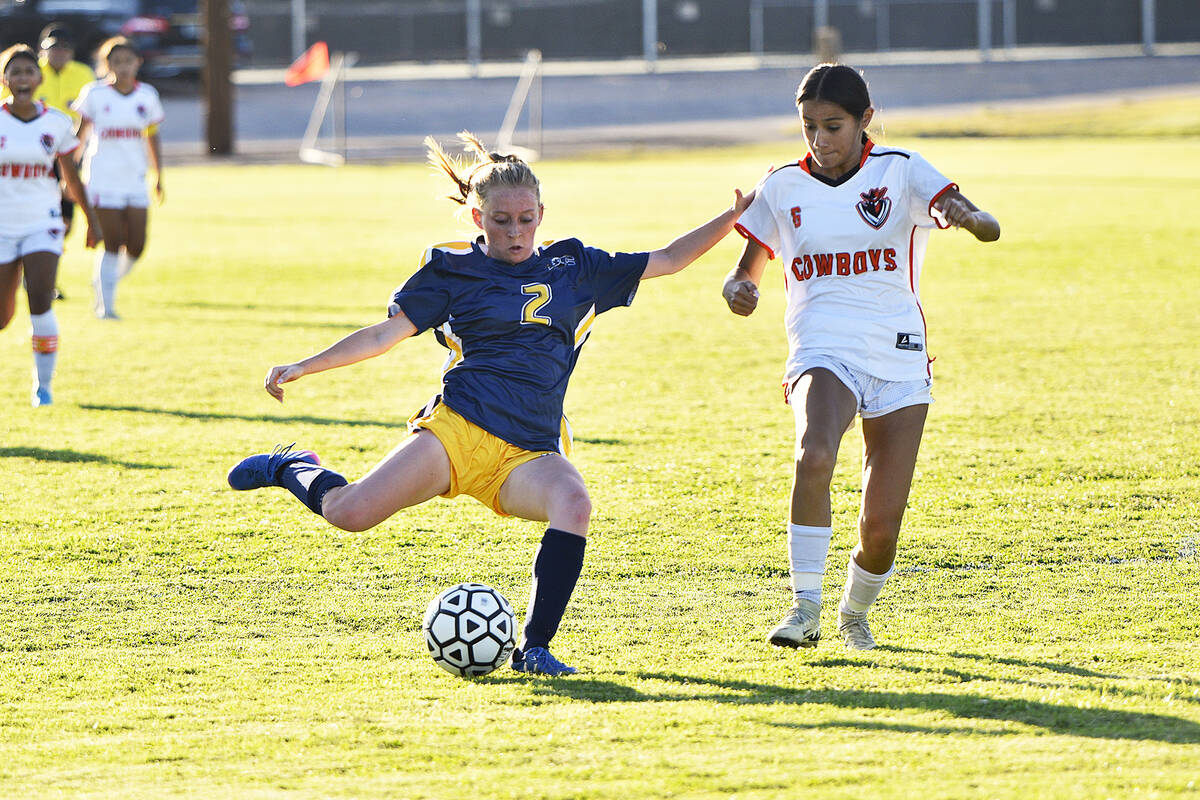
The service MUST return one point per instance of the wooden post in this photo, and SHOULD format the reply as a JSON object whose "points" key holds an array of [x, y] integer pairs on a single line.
{"points": [[218, 73]]}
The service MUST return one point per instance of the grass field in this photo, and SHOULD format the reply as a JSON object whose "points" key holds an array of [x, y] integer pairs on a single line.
{"points": [[162, 636]]}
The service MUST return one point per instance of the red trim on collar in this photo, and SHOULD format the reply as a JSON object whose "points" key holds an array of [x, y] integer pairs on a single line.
{"points": [[42, 107], [806, 162], [867, 147]]}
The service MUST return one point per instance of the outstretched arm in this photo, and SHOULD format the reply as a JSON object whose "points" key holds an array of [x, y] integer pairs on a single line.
{"points": [[364, 343], [695, 243], [741, 284], [962, 213]]}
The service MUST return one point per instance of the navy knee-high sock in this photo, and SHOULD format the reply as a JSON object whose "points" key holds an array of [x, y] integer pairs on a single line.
{"points": [[309, 482], [556, 568]]}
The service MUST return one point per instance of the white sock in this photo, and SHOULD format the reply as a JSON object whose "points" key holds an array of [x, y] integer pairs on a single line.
{"points": [[808, 546], [45, 347], [105, 281], [126, 263], [862, 587]]}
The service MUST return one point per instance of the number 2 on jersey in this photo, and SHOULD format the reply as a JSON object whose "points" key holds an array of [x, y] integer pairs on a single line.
{"points": [[539, 295]]}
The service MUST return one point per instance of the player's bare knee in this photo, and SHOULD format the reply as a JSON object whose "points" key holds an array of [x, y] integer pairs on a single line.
{"points": [[347, 519], [815, 464], [573, 507], [339, 510]]}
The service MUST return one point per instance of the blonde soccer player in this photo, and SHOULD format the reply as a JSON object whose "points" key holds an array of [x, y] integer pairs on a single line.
{"points": [[119, 119], [33, 139], [848, 224], [514, 314]]}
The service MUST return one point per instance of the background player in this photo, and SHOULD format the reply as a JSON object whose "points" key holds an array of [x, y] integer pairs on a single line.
{"points": [[32, 139], [850, 223], [119, 122], [514, 316], [63, 78]]}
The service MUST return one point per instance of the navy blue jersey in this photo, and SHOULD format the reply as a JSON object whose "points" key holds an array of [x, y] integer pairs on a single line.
{"points": [[514, 331]]}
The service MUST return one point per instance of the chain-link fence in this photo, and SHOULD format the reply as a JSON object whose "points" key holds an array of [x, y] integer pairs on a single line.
{"points": [[457, 30]]}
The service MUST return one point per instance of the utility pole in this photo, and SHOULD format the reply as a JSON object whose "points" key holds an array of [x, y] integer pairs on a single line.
{"points": [[650, 32], [218, 77], [299, 28], [1148, 27]]}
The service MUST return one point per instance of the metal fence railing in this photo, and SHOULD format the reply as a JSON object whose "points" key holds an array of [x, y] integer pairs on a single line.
{"points": [[480, 30]]}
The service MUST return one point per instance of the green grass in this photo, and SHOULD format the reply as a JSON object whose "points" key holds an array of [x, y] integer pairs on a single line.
{"points": [[1134, 116], [162, 636]]}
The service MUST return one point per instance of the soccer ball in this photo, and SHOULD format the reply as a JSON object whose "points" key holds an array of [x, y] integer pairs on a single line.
{"points": [[470, 629]]}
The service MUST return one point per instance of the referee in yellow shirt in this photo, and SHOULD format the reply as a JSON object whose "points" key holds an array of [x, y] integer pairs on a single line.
{"points": [[63, 78]]}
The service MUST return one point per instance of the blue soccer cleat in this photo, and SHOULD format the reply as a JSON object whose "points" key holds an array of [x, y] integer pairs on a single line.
{"points": [[261, 470], [41, 397], [538, 661]]}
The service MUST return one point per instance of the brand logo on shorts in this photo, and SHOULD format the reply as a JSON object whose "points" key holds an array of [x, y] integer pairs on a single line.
{"points": [[909, 341], [875, 207], [48, 142]]}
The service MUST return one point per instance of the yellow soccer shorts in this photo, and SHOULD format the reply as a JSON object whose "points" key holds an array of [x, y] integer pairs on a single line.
{"points": [[480, 462]]}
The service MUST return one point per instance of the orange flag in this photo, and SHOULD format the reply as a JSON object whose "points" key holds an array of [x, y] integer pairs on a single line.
{"points": [[311, 66]]}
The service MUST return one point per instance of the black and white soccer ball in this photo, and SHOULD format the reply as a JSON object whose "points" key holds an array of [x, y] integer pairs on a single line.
{"points": [[470, 629]]}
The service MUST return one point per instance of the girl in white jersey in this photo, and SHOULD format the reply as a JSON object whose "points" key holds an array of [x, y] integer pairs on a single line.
{"points": [[849, 224], [32, 139], [119, 119]]}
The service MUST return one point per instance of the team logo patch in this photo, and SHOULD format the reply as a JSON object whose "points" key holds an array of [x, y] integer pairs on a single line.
{"points": [[141, 109], [48, 142], [875, 207], [910, 341]]}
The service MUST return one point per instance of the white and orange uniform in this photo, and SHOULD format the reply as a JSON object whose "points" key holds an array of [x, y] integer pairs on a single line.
{"points": [[116, 158], [852, 251], [30, 200]]}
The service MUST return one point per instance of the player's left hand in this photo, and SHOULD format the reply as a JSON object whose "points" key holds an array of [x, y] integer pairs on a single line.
{"points": [[160, 191]]}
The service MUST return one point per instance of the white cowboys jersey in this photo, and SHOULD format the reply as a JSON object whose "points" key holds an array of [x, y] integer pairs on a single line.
{"points": [[852, 252], [30, 200], [116, 149]]}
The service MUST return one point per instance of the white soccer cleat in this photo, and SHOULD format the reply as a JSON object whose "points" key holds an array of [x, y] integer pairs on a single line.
{"points": [[855, 632], [800, 627]]}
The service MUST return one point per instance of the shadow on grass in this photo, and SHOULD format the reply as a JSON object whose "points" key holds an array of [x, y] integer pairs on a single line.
{"points": [[71, 457], [1094, 723], [215, 416], [1065, 669]]}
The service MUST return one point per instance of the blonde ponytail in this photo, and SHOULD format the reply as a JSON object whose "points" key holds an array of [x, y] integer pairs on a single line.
{"points": [[487, 170]]}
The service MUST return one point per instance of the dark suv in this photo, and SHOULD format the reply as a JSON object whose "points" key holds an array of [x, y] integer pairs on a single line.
{"points": [[165, 32]]}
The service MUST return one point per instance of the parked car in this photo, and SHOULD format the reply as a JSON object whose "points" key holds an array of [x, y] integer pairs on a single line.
{"points": [[166, 32]]}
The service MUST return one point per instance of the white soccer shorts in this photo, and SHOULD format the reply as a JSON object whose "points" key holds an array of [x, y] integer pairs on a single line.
{"points": [[130, 195], [875, 396], [44, 241]]}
